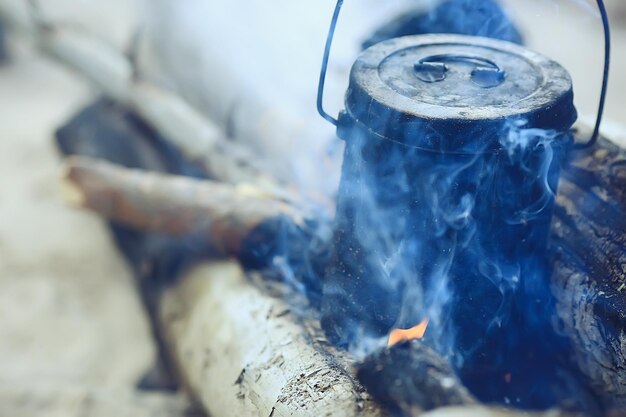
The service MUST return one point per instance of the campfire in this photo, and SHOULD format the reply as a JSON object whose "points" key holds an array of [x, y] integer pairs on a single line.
{"points": [[470, 263]]}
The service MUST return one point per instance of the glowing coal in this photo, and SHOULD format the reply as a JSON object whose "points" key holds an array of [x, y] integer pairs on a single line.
{"points": [[401, 335]]}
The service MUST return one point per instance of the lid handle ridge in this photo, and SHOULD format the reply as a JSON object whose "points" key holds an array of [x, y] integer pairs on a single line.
{"points": [[486, 73]]}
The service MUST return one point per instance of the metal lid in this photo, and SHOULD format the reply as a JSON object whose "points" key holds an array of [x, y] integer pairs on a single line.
{"points": [[452, 83]]}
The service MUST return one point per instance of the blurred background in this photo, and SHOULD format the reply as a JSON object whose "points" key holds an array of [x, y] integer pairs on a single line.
{"points": [[74, 337]]}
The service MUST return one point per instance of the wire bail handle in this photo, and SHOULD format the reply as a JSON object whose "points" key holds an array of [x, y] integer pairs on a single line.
{"points": [[605, 80]]}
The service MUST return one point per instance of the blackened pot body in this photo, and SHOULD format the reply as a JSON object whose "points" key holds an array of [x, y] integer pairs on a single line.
{"points": [[446, 197], [416, 229]]}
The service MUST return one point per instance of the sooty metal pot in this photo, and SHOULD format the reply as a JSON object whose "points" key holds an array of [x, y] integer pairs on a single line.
{"points": [[453, 147]]}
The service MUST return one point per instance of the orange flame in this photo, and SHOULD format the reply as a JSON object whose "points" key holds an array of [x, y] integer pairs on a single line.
{"points": [[399, 335]]}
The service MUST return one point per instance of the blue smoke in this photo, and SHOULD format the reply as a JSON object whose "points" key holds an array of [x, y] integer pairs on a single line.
{"points": [[462, 17]]}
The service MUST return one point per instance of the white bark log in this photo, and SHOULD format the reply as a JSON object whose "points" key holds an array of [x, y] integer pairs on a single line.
{"points": [[245, 353]]}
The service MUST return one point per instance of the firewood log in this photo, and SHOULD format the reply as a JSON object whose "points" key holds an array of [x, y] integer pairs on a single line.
{"points": [[589, 281], [245, 353], [238, 221], [411, 376]]}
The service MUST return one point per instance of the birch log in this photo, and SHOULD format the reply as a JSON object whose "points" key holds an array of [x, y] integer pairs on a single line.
{"points": [[245, 353]]}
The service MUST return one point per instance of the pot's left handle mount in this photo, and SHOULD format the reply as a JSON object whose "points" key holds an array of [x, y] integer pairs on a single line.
{"points": [[322, 83]]}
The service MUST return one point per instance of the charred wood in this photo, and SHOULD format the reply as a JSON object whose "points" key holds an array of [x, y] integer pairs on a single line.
{"points": [[589, 281], [106, 130], [411, 377]]}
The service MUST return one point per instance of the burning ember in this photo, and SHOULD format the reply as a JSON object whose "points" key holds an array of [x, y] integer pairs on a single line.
{"points": [[400, 335]]}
